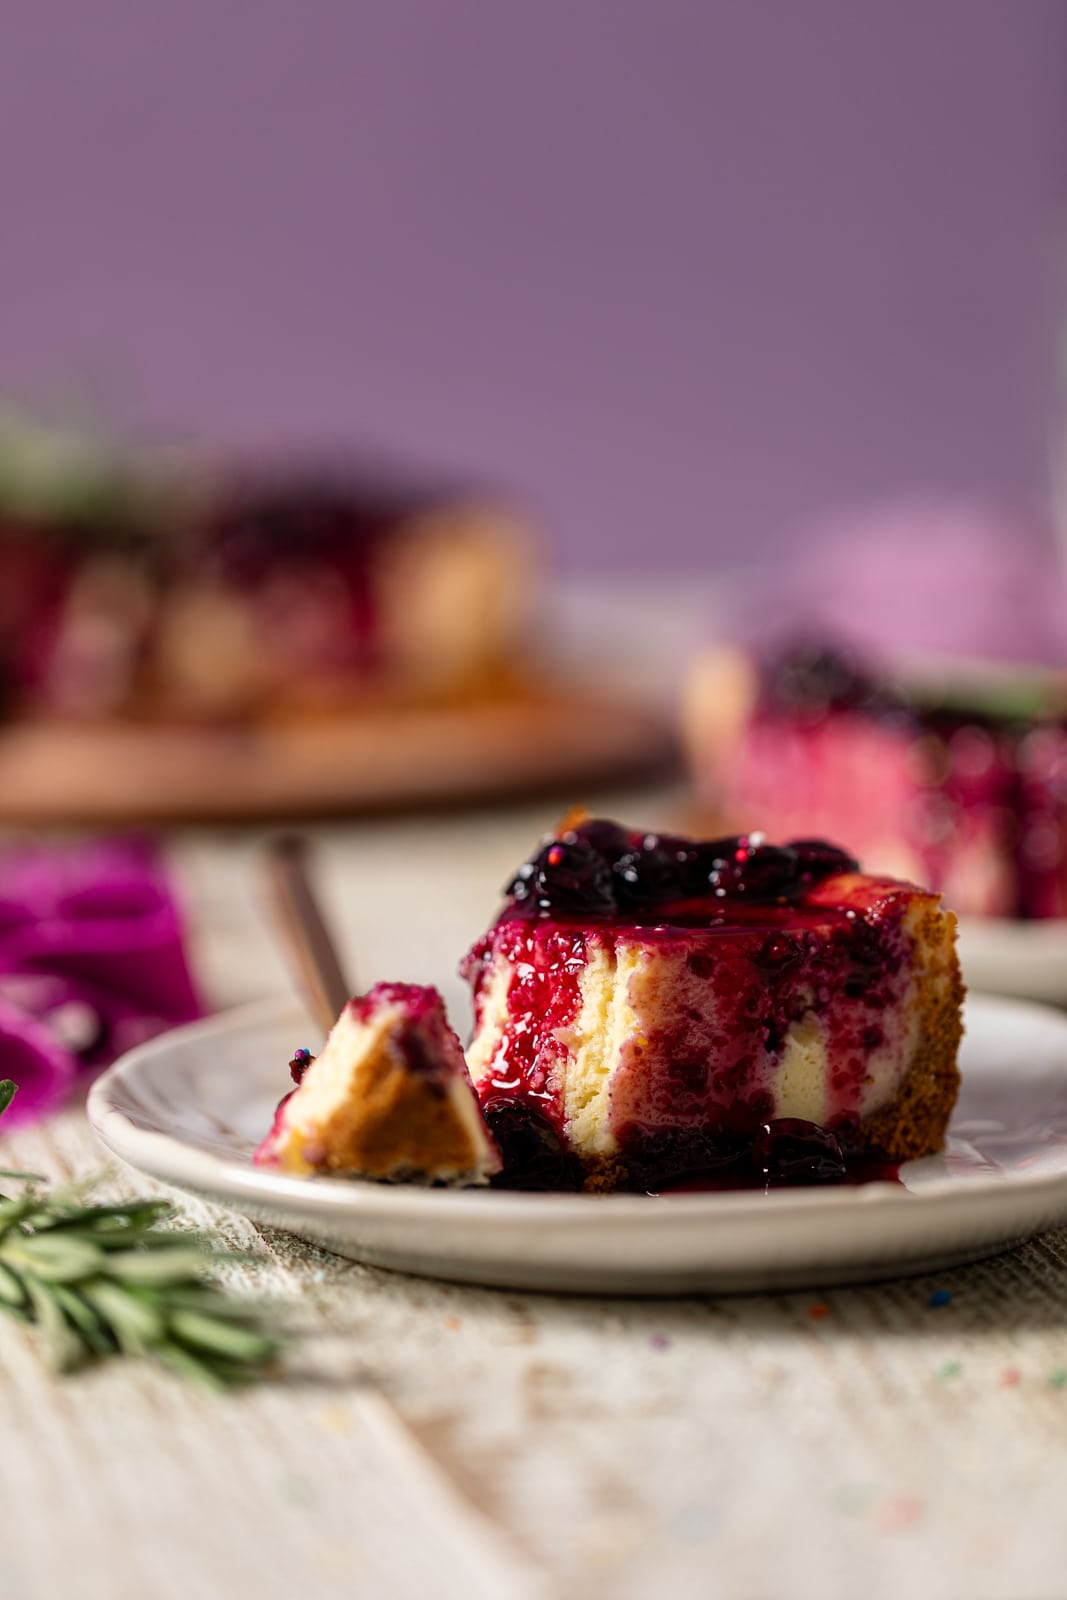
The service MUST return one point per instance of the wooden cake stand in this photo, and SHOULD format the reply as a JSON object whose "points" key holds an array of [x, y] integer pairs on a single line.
{"points": [[365, 759]]}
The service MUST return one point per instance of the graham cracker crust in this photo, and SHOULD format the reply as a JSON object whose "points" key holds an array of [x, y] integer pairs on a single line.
{"points": [[399, 1124], [915, 1123]]}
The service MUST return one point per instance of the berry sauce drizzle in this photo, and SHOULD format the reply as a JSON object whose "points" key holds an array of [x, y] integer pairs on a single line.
{"points": [[599, 869], [784, 1154]]}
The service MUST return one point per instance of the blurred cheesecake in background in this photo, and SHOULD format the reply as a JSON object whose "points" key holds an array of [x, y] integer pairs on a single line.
{"points": [[903, 689], [160, 588], [184, 638]]}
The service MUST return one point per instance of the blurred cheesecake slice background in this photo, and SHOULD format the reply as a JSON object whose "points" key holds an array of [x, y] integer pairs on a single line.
{"points": [[147, 583], [901, 686]]}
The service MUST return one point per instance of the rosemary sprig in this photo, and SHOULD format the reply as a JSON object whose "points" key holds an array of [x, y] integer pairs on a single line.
{"points": [[107, 1280]]}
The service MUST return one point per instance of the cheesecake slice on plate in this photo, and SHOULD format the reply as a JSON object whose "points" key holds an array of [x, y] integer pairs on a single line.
{"points": [[655, 1012], [651, 1009]]}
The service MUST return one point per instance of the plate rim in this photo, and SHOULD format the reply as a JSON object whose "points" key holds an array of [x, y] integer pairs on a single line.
{"points": [[167, 1158]]}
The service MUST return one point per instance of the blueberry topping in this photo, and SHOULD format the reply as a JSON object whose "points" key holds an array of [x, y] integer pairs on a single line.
{"points": [[813, 679], [533, 1154], [704, 860], [655, 1156], [652, 872], [598, 868], [566, 877], [299, 1064], [821, 860], [790, 1150], [757, 872], [522, 885], [608, 839]]}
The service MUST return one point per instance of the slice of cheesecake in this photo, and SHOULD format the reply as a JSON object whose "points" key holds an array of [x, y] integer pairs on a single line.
{"points": [[388, 1097], [952, 772], [650, 1007]]}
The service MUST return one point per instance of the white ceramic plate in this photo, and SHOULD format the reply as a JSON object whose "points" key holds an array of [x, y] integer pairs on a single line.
{"points": [[188, 1108], [1025, 959]]}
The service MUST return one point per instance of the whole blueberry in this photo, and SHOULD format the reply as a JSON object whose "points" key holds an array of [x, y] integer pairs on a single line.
{"points": [[301, 1061], [523, 883], [533, 1154], [652, 873], [758, 872], [566, 877], [704, 861], [812, 678], [609, 839]]}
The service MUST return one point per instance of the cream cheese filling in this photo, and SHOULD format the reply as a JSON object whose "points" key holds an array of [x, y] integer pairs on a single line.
{"points": [[490, 1036], [606, 1023], [331, 1081], [620, 1004], [629, 990]]}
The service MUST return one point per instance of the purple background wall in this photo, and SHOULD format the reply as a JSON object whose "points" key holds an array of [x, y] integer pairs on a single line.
{"points": [[684, 271]]}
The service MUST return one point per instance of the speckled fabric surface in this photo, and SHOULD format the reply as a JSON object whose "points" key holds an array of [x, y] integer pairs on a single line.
{"points": [[906, 1439]]}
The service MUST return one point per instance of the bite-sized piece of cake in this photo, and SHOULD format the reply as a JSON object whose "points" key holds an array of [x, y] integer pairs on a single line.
{"points": [[651, 1007], [387, 1097], [956, 777]]}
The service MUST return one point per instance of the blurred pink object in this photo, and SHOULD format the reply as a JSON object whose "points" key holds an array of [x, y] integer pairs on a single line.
{"points": [[900, 687], [931, 577], [91, 963]]}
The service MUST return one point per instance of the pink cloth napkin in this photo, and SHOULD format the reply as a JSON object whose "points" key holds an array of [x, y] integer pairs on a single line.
{"points": [[91, 963]]}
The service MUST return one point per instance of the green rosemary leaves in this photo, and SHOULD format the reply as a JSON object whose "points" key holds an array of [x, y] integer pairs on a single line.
{"points": [[106, 1280]]}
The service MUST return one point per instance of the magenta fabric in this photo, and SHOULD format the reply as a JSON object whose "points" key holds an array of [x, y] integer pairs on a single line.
{"points": [[92, 962]]}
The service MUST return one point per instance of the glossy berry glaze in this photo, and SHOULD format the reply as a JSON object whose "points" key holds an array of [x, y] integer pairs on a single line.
{"points": [[729, 947], [789, 1153]]}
